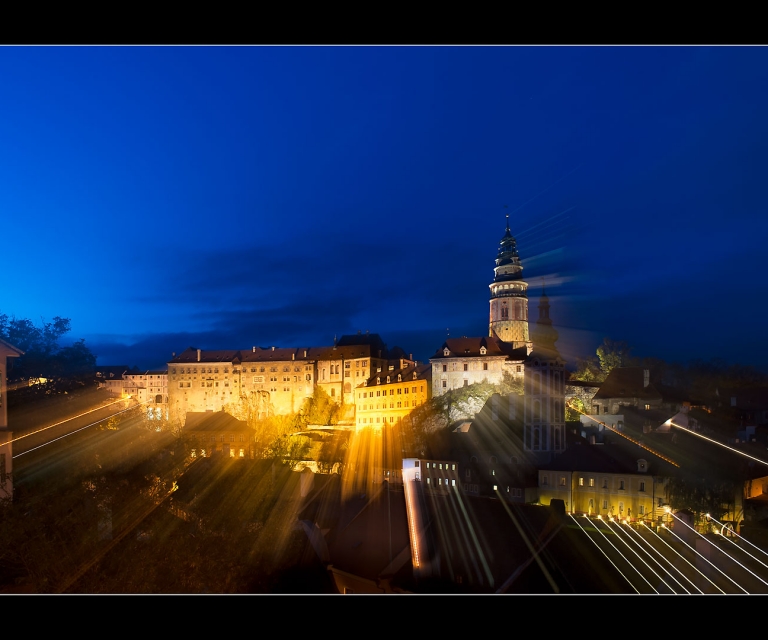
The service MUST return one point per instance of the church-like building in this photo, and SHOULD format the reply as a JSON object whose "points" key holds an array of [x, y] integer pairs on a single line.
{"points": [[464, 361]]}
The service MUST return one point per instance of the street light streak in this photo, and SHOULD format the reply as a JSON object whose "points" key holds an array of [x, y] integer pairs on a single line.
{"points": [[534, 553], [706, 560], [597, 528], [637, 442], [589, 537], [743, 539], [629, 533], [725, 446], [726, 554], [684, 559], [637, 534], [45, 444], [476, 542], [72, 418]]}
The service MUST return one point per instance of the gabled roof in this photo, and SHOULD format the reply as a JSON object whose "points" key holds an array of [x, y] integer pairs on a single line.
{"points": [[214, 421], [422, 371], [470, 348], [626, 382], [10, 350]]}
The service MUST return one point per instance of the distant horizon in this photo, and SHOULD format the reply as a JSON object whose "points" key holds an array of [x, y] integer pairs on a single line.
{"points": [[229, 195]]}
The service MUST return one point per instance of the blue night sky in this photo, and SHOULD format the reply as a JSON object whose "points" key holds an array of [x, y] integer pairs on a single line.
{"points": [[225, 197]]}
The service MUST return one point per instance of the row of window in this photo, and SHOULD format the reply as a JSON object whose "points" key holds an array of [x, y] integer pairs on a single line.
{"points": [[392, 405], [641, 507], [466, 366], [196, 370], [590, 482], [206, 453], [442, 481], [400, 391]]}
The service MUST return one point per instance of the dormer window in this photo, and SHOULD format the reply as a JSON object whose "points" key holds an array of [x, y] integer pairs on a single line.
{"points": [[483, 351], [399, 378], [387, 379], [446, 351], [378, 380]]}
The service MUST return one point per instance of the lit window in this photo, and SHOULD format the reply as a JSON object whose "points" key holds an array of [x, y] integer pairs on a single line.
{"points": [[562, 481], [591, 482], [581, 482]]}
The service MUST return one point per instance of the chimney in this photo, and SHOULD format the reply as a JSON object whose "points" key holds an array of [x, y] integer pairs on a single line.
{"points": [[646, 377], [254, 349], [198, 355], [293, 356], [273, 348], [305, 353]]}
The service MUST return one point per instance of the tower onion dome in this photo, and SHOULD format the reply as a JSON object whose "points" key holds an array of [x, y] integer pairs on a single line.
{"points": [[508, 265]]}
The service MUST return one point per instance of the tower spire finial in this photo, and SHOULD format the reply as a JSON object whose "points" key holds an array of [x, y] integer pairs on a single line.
{"points": [[507, 214]]}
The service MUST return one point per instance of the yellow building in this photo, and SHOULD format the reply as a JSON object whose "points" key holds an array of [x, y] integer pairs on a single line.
{"points": [[607, 483], [389, 395]]}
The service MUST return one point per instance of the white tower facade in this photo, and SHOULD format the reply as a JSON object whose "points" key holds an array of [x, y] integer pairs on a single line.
{"points": [[508, 319]]}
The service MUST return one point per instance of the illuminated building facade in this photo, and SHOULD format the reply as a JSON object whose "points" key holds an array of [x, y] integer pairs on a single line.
{"points": [[150, 388], [350, 362], [390, 395], [219, 434], [615, 481], [6, 435], [256, 383], [460, 362], [259, 383], [509, 299]]}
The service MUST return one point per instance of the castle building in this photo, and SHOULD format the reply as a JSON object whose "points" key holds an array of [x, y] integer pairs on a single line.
{"points": [[389, 396], [260, 382], [460, 362], [509, 299]]}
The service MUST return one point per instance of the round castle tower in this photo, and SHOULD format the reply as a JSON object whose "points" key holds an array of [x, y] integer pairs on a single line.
{"points": [[509, 298]]}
